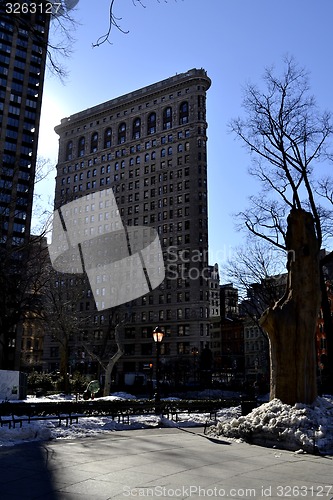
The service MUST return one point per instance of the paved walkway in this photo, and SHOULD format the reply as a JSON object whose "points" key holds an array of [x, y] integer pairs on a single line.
{"points": [[159, 463]]}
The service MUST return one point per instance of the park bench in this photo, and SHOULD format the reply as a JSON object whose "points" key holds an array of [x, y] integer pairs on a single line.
{"points": [[6, 421], [70, 412], [174, 409]]}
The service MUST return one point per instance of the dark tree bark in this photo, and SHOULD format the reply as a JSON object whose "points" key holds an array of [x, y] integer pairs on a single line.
{"points": [[291, 322]]}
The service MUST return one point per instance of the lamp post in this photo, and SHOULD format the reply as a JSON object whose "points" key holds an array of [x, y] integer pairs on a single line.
{"points": [[158, 335]]}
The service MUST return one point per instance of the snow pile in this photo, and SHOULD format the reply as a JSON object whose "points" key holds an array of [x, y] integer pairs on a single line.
{"points": [[305, 427], [35, 431]]}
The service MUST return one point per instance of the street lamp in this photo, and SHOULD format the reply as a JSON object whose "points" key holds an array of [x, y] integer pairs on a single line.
{"points": [[158, 335]]}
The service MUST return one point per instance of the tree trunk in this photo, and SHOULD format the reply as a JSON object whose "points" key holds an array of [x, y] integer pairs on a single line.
{"points": [[112, 361], [291, 322], [64, 362]]}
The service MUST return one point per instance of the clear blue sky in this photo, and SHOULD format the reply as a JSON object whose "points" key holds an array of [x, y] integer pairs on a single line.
{"points": [[234, 40]]}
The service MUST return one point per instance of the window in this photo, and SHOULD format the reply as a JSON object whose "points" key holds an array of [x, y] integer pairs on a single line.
{"points": [[183, 113], [146, 349], [81, 146], [151, 125], [94, 142], [167, 118], [107, 138], [69, 150], [129, 349], [136, 133], [183, 348], [122, 133]]}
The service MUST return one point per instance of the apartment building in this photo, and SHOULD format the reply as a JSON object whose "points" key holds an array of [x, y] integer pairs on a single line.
{"points": [[149, 148], [23, 40]]}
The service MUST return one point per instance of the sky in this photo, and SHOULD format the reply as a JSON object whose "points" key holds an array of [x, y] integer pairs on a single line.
{"points": [[233, 40]]}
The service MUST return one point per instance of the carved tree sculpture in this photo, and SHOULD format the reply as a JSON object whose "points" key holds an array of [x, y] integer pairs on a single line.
{"points": [[290, 323]]}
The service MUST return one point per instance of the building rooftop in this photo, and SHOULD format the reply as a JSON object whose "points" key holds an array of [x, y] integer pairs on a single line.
{"points": [[136, 95]]}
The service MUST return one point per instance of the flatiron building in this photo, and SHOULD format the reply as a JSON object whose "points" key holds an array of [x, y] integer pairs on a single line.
{"points": [[149, 147]]}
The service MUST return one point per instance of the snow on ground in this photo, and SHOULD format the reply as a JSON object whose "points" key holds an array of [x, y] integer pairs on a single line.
{"points": [[90, 426], [301, 428]]}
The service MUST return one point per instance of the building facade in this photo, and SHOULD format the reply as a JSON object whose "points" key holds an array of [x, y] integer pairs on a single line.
{"points": [[23, 42], [149, 147]]}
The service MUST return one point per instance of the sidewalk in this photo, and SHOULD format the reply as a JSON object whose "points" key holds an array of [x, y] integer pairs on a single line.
{"points": [[159, 463]]}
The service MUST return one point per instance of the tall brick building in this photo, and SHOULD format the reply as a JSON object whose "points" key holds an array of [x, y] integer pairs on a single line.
{"points": [[149, 147]]}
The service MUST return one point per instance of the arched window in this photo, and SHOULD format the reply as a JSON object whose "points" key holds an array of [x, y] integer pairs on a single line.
{"points": [[163, 152], [151, 127], [183, 113], [170, 150], [136, 132], [94, 142], [137, 160], [167, 118], [107, 138], [146, 157], [122, 133], [81, 146], [153, 155], [69, 150]]}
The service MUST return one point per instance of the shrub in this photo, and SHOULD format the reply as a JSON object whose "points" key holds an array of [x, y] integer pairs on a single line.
{"points": [[40, 381]]}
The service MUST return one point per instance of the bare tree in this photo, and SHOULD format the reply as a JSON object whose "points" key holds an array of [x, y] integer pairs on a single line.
{"points": [[21, 276], [287, 136], [60, 23], [257, 269], [61, 314], [21, 288], [114, 22], [110, 349]]}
